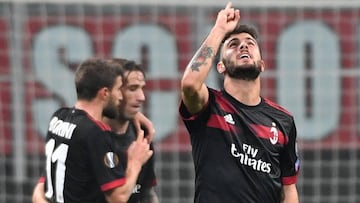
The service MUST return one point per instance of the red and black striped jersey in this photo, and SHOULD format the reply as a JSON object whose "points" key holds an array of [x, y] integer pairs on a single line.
{"points": [[241, 153], [146, 179], [81, 162]]}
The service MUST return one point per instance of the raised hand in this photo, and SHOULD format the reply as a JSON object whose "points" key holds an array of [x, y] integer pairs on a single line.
{"points": [[227, 18], [139, 151], [142, 122]]}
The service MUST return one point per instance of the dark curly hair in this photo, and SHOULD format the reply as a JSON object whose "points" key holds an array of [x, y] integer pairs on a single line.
{"points": [[240, 28], [94, 74]]}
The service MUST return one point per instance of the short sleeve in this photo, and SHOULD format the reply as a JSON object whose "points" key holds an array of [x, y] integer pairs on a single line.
{"points": [[106, 164], [290, 163]]}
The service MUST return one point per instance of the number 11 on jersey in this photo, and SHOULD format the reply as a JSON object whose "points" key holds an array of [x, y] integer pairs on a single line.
{"points": [[56, 157]]}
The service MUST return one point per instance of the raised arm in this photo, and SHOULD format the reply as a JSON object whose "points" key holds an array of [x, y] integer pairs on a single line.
{"points": [[193, 88]]}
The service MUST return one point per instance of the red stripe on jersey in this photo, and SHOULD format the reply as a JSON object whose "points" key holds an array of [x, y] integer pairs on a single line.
{"points": [[41, 179], [154, 182], [223, 103], [216, 121], [276, 106], [113, 184], [289, 180], [102, 125], [265, 132]]}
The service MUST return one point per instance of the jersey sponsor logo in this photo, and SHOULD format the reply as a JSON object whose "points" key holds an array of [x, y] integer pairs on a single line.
{"points": [[61, 128], [229, 119], [275, 134], [111, 159], [248, 158], [137, 189]]}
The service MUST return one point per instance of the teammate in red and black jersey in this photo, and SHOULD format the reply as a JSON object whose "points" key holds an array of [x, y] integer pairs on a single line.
{"points": [[143, 190], [244, 146], [81, 160], [124, 130]]}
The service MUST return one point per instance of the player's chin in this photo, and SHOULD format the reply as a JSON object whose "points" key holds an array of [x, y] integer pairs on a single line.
{"points": [[131, 113], [244, 61], [135, 109]]}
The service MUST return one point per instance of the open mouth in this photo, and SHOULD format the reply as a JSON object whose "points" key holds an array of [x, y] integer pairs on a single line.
{"points": [[136, 106], [242, 56]]}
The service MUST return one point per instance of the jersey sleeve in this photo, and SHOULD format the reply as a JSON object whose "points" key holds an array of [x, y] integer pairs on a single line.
{"points": [[290, 163], [106, 164], [195, 122]]}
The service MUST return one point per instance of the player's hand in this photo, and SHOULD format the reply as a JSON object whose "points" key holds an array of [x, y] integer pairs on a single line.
{"points": [[142, 122], [227, 18], [139, 151]]}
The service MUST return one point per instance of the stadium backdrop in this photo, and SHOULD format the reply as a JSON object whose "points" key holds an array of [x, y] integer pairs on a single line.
{"points": [[311, 55]]}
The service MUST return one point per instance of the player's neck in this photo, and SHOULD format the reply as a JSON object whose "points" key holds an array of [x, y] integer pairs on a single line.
{"points": [[246, 92], [90, 107], [122, 126]]}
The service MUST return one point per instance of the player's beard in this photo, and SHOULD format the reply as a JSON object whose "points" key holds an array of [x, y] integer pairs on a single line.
{"points": [[248, 72], [111, 109], [122, 114]]}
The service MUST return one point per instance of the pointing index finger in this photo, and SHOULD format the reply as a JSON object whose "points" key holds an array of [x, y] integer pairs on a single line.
{"points": [[140, 135], [228, 5]]}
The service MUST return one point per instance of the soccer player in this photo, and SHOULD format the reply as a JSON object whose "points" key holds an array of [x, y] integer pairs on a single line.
{"points": [[81, 162], [125, 130], [244, 146]]}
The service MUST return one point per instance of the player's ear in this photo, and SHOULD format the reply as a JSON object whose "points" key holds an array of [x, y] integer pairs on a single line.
{"points": [[220, 67], [262, 63], [104, 92]]}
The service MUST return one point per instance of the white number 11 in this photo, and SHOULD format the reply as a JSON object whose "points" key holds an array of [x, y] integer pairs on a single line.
{"points": [[55, 155]]}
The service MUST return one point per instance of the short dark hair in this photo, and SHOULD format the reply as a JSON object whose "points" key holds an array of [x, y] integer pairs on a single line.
{"points": [[240, 28], [94, 74], [128, 65]]}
